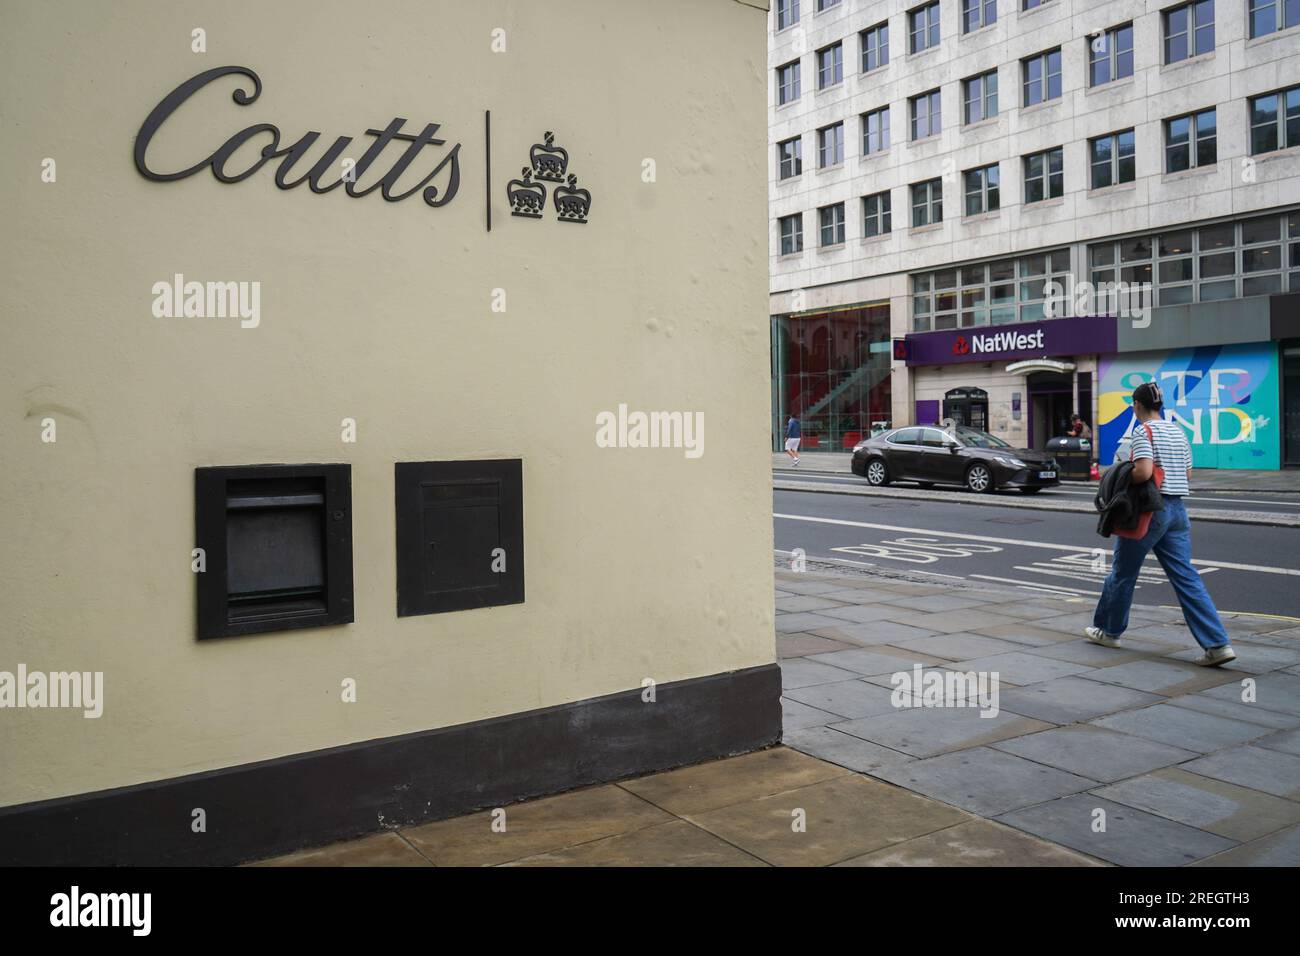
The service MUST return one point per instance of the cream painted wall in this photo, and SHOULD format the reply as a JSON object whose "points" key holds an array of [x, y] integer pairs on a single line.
{"points": [[640, 562]]}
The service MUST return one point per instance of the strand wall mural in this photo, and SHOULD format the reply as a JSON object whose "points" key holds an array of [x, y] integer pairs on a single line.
{"points": [[1225, 396]]}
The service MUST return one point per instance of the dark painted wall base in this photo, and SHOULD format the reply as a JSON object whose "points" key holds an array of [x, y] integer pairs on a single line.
{"points": [[276, 806]]}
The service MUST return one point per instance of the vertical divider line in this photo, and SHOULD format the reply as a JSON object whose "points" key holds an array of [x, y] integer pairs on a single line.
{"points": [[487, 154]]}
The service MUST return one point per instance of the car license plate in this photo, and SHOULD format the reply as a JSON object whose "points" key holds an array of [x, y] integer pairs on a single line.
{"points": [[1047, 474]]}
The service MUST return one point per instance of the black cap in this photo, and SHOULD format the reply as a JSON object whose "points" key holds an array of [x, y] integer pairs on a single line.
{"points": [[1149, 395]]}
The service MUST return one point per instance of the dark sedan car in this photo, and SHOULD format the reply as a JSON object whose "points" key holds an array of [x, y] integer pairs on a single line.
{"points": [[960, 456]]}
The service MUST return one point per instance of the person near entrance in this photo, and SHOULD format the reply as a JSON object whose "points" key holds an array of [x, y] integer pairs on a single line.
{"points": [[792, 438], [1078, 427], [1169, 536]]}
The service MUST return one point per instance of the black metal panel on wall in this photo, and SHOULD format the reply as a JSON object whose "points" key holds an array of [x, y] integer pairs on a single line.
{"points": [[277, 547], [460, 535]]}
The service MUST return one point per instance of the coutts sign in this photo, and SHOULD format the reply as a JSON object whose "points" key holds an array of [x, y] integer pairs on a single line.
{"points": [[291, 155], [548, 163]]}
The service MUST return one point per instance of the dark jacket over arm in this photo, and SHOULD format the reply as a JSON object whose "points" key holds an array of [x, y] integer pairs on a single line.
{"points": [[1121, 502]]}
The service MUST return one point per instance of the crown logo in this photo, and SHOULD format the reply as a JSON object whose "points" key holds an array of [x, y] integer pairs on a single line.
{"points": [[527, 198], [572, 203], [550, 162]]}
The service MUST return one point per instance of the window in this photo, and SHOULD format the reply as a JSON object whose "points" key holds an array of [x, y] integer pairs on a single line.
{"points": [[875, 215], [1275, 121], [981, 189], [278, 540], [830, 65], [987, 293], [1031, 4], [1035, 272], [1110, 55], [787, 83], [875, 47], [1223, 261], [923, 27], [1044, 175], [826, 4], [1270, 16], [787, 13], [1191, 140], [454, 520], [980, 97], [927, 202], [926, 119], [875, 131], [830, 146], [791, 234], [1189, 30], [1042, 77], [1112, 160], [831, 219], [789, 157], [978, 13], [906, 436]]}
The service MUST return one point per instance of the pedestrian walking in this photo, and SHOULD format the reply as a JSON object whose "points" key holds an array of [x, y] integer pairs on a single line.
{"points": [[792, 438], [1157, 443]]}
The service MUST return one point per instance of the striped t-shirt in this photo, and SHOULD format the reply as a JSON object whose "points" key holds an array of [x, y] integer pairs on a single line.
{"points": [[1172, 453]]}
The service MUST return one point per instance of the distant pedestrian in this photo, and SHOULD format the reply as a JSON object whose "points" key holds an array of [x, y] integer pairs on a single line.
{"points": [[1169, 536], [792, 438], [1078, 427]]}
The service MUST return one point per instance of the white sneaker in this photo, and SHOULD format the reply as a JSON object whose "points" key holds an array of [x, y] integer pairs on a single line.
{"points": [[796, 462], [1098, 636], [1216, 656]]}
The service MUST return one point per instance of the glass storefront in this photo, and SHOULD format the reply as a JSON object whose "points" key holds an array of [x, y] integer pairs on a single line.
{"points": [[831, 370]]}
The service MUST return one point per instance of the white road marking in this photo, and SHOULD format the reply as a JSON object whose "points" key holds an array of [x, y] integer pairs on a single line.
{"points": [[1036, 586], [1076, 492], [1085, 572], [1073, 549], [868, 564], [1086, 579]]}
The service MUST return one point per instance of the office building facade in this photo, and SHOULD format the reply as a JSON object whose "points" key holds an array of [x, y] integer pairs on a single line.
{"points": [[1046, 203]]}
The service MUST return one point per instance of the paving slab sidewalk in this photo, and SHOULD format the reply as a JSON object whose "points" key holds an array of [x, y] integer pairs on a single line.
{"points": [[1133, 756]]}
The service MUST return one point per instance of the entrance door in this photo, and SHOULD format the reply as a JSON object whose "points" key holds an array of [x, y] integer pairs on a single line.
{"points": [[1051, 402], [1291, 404]]}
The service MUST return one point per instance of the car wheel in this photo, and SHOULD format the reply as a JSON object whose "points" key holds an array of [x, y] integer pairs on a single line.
{"points": [[877, 472], [1030, 491], [979, 478]]}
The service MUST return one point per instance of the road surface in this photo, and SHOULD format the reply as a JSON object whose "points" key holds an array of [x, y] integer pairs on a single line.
{"points": [[1246, 567]]}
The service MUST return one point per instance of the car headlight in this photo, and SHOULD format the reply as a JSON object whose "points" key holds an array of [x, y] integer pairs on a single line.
{"points": [[860, 447], [1010, 462]]}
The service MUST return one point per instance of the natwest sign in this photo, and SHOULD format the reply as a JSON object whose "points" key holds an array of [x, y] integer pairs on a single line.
{"points": [[999, 342], [1088, 335]]}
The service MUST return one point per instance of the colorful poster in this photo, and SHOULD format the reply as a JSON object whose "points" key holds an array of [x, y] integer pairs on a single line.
{"points": [[1224, 396]]}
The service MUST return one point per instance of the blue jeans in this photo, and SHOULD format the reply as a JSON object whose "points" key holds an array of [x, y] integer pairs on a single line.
{"points": [[1170, 537]]}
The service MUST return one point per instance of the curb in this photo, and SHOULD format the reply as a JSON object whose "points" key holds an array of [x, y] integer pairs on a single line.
{"points": [[849, 569], [1233, 489], [988, 501]]}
